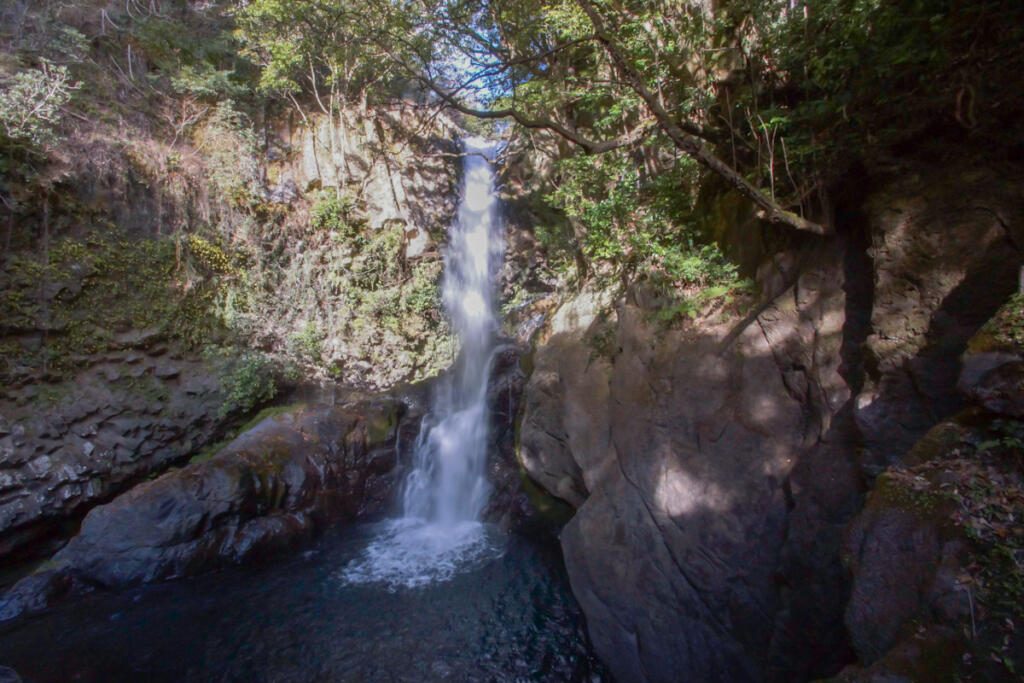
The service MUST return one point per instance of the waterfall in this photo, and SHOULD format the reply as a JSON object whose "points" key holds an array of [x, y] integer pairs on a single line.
{"points": [[447, 489], [447, 484]]}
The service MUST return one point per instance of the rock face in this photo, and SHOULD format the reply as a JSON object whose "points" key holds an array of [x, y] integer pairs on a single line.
{"points": [[946, 256], [64, 447], [404, 178], [715, 466], [508, 505], [269, 488]]}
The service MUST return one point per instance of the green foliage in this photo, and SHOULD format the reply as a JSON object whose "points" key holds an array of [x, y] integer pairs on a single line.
{"points": [[559, 244], [381, 263], [645, 226], [308, 344], [849, 79], [211, 256], [250, 383], [1004, 331], [332, 49], [30, 104], [196, 53], [423, 295], [228, 142], [335, 214]]}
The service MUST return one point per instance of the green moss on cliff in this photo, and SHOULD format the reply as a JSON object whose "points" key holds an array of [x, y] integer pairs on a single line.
{"points": [[102, 292]]}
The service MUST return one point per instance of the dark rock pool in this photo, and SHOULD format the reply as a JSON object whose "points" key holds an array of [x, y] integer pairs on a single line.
{"points": [[296, 619]]}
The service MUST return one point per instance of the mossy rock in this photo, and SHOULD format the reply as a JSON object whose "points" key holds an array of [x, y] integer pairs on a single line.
{"points": [[381, 423], [1004, 331], [937, 443]]}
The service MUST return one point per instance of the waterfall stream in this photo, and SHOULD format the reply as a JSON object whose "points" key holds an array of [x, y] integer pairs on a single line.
{"points": [[440, 531]]}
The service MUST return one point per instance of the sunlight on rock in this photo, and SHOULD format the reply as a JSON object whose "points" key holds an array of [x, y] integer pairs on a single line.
{"points": [[679, 493]]}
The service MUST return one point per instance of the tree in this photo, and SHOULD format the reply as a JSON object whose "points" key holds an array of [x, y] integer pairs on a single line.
{"points": [[604, 75], [30, 105], [328, 52]]}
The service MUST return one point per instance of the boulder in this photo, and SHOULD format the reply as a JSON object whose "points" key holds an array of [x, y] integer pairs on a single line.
{"points": [[905, 561], [696, 525], [269, 488], [1001, 390]]}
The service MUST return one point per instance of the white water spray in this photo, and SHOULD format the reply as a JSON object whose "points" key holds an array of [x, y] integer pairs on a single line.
{"points": [[446, 491]]}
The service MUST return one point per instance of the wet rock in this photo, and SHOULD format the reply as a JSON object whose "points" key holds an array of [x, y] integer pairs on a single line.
{"points": [[508, 505], [268, 489], [36, 592]]}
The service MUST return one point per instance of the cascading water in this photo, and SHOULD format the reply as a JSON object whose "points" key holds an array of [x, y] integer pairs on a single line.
{"points": [[447, 489]]}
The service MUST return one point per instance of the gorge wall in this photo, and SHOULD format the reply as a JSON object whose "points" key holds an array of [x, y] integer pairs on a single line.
{"points": [[715, 465]]}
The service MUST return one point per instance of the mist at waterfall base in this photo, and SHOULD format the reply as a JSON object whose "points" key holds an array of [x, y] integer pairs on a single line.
{"points": [[439, 531]]}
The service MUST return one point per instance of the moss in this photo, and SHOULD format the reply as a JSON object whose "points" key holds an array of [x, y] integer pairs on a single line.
{"points": [[272, 411], [1004, 331], [550, 508], [380, 424], [912, 494], [937, 443], [966, 477], [210, 451], [82, 293], [527, 362]]}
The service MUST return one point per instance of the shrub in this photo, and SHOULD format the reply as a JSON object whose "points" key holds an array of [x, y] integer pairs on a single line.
{"points": [[250, 383], [30, 104], [307, 344], [334, 214]]}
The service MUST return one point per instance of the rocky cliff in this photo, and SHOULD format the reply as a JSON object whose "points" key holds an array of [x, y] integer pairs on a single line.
{"points": [[715, 465], [154, 314]]}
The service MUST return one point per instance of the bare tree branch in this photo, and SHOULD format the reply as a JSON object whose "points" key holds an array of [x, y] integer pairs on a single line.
{"points": [[589, 146]]}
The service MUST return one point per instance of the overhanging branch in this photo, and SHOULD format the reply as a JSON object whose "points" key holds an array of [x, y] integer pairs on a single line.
{"points": [[687, 142]]}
